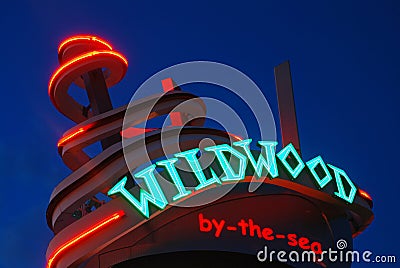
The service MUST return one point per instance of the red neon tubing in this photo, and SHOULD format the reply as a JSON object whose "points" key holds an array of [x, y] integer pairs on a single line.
{"points": [[100, 225], [80, 59], [70, 136], [83, 37], [364, 194], [237, 137]]}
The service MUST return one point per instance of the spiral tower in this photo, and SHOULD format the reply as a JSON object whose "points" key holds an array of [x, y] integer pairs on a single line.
{"points": [[91, 231]]}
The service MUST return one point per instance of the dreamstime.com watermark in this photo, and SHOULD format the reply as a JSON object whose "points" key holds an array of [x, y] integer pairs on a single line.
{"points": [[340, 254]]}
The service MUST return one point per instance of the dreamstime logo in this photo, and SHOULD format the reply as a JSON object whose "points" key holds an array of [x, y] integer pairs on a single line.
{"points": [[340, 254], [341, 244], [230, 82]]}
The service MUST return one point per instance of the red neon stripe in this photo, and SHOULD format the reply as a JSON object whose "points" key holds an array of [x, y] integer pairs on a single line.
{"points": [[70, 136], [235, 136], [85, 234], [80, 59], [168, 84], [364, 194], [176, 117], [83, 37], [134, 131]]}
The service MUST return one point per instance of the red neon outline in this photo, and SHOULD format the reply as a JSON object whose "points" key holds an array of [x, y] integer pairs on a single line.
{"points": [[80, 58], [235, 136], [86, 233], [83, 37], [70, 136], [364, 194]]}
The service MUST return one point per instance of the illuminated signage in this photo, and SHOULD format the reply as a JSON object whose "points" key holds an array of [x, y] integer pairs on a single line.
{"points": [[248, 228], [264, 166]]}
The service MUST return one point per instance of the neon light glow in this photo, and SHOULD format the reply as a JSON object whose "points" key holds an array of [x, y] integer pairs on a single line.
{"points": [[176, 117], [248, 228], [155, 194], [232, 170], [134, 132], [364, 194], [283, 155], [97, 227], [190, 157], [236, 137], [69, 137], [83, 37], [226, 166], [339, 174], [80, 59], [169, 166], [269, 164], [312, 164]]}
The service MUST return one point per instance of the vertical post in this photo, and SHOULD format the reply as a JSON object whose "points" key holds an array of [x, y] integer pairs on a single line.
{"points": [[286, 106], [100, 101]]}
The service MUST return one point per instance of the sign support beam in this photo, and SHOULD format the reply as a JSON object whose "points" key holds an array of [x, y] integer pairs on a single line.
{"points": [[100, 101], [286, 106]]}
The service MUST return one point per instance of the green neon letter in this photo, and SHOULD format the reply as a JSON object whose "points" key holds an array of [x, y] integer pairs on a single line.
{"points": [[169, 166], [312, 164], [155, 194], [228, 170], [284, 153], [194, 164], [269, 164], [339, 173]]}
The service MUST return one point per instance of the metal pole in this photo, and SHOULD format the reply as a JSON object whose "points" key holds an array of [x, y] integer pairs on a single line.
{"points": [[286, 106], [100, 101]]}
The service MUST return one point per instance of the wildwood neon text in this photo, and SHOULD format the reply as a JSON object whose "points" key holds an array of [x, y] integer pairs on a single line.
{"points": [[267, 161]]}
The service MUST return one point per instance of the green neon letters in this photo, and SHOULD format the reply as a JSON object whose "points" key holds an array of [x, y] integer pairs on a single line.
{"points": [[226, 166], [283, 156], [156, 195], [339, 173], [169, 166], [234, 170], [312, 164], [269, 163], [190, 157]]}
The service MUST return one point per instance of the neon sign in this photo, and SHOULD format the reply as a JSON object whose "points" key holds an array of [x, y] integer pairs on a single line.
{"points": [[250, 229], [264, 166]]}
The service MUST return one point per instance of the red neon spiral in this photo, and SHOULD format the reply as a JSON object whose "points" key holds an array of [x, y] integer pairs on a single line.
{"points": [[78, 55]]}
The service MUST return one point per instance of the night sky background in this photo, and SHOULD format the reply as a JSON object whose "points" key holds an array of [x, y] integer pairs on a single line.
{"points": [[345, 68]]}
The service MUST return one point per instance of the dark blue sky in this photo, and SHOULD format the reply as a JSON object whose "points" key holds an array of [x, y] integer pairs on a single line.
{"points": [[344, 57]]}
